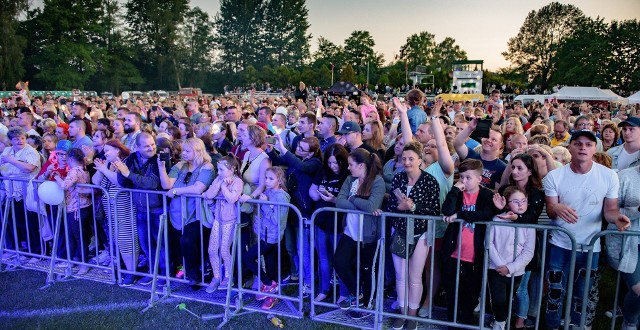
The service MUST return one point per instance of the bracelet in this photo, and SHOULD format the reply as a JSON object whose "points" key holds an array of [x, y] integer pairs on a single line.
{"points": [[413, 208]]}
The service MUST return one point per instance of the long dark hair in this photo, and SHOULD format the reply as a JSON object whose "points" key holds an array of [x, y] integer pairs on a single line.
{"points": [[534, 179], [340, 153], [373, 165]]}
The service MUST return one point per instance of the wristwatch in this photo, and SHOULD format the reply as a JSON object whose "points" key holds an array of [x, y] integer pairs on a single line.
{"points": [[175, 192]]}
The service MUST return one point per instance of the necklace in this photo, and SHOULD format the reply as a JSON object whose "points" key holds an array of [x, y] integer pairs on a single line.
{"points": [[248, 163]]}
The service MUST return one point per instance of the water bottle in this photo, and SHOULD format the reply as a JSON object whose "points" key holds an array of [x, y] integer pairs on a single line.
{"points": [[275, 321]]}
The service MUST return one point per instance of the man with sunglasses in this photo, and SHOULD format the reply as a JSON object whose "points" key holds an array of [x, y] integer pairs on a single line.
{"points": [[140, 171]]}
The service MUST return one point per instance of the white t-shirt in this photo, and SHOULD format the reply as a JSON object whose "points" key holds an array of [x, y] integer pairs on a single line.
{"points": [[625, 159], [585, 193], [352, 228]]}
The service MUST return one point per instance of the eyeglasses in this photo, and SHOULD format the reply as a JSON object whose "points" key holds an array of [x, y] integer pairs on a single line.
{"points": [[61, 155], [519, 202], [187, 177], [585, 124]]}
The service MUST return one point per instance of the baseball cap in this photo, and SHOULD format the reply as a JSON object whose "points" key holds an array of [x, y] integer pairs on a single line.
{"points": [[632, 121], [586, 133], [350, 127]]}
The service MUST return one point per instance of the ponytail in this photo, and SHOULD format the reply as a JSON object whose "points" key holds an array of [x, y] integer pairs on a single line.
{"points": [[373, 168]]}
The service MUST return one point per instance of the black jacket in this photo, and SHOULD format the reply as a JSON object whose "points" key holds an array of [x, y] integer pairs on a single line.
{"points": [[485, 210]]}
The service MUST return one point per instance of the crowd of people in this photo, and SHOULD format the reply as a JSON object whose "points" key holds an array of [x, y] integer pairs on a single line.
{"points": [[465, 162]]}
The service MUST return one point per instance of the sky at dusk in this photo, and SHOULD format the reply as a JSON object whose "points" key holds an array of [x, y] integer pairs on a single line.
{"points": [[481, 28]]}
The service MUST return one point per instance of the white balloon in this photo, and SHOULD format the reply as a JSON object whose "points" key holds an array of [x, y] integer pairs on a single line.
{"points": [[50, 193], [125, 95]]}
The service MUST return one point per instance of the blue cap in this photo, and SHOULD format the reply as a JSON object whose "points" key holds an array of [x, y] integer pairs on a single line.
{"points": [[586, 133], [63, 145], [631, 121], [350, 127]]}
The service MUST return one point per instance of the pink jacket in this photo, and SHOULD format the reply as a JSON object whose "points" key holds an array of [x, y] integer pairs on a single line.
{"points": [[501, 247]]}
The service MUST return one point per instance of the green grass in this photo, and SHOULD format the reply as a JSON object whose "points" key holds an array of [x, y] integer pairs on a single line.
{"points": [[22, 300], [64, 305]]}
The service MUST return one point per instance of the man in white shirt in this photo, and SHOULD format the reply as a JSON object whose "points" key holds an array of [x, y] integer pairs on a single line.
{"points": [[578, 195], [628, 154]]}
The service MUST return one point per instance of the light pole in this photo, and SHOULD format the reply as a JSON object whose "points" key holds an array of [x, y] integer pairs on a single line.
{"points": [[367, 74], [332, 66]]}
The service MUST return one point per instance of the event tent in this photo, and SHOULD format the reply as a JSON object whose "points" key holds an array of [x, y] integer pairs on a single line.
{"points": [[635, 98], [584, 94], [619, 99], [344, 88]]}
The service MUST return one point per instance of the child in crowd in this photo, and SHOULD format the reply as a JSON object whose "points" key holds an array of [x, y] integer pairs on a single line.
{"points": [[510, 250], [269, 227], [470, 202], [79, 210], [228, 187], [561, 155]]}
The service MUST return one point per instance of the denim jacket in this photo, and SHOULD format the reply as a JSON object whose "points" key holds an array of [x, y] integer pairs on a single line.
{"points": [[143, 176], [615, 153]]}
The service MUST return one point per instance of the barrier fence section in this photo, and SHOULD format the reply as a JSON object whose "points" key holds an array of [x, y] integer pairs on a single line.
{"points": [[50, 239], [258, 262], [386, 312], [607, 234], [326, 244]]}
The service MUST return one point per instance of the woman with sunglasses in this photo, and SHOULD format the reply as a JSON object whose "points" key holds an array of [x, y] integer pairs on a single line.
{"points": [[191, 175]]}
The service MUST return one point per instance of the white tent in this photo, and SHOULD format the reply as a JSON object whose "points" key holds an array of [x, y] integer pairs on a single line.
{"points": [[584, 94], [635, 98], [619, 99]]}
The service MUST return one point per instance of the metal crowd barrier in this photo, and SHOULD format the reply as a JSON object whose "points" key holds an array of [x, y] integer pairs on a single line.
{"points": [[290, 301], [327, 312], [48, 239], [603, 234], [383, 311], [156, 245]]}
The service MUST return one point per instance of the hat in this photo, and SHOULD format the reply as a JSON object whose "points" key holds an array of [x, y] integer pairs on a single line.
{"points": [[586, 133], [282, 110], [632, 121], [350, 127], [262, 125], [63, 145]]}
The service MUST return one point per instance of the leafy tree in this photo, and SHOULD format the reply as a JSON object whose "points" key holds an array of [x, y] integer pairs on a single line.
{"points": [[419, 48], [250, 75], [535, 46], [154, 26], [444, 54], [623, 63], [11, 44], [348, 74], [196, 38], [358, 51], [323, 77], [581, 58], [285, 32], [64, 52], [238, 34], [328, 53]]}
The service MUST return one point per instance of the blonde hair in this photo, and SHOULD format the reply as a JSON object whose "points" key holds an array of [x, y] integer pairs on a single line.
{"points": [[518, 124], [280, 176], [201, 155], [564, 152]]}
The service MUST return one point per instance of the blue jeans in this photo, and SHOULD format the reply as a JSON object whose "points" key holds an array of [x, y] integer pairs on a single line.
{"points": [[556, 277], [148, 236], [291, 243], [521, 306], [325, 247], [631, 306]]}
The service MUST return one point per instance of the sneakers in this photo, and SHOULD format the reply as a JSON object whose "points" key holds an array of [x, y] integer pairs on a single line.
{"points": [[145, 280], [609, 313], [306, 291], [267, 289], [180, 273], [268, 303], [128, 280], [498, 325], [398, 323], [423, 312], [33, 260], [83, 270], [102, 258], [320, 297], [213, 286], [629, 326], [350, 302], [358, 315], [63, 264], [290, 280], [225, 283]]}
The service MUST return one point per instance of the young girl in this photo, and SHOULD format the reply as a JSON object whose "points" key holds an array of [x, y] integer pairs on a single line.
{"points": [[509, 252], [468, 201], [227, 186], [269, 227], [78, 208]]}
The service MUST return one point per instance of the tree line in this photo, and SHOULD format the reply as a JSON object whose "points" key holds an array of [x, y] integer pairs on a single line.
{"points": [[110, 45]]}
